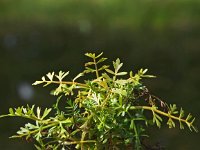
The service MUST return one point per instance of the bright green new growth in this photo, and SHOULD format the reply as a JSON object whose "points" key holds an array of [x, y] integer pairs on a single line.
{"points": [[107, 112]]}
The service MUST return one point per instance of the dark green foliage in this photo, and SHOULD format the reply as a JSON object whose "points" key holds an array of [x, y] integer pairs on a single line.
{"points": [[106, 112]]}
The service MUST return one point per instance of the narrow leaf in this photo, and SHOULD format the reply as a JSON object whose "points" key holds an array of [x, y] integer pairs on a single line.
{"points": [[110, 71], [144, 71], [101, 60], [38, 112], [78, 76], [181, 125], [46, 112], [37, 147], [89, 63], [50, 76], [37, 82], [103, 67], [121, 73], [188, 117], [99, 55], [43, 78], [132, 124]]}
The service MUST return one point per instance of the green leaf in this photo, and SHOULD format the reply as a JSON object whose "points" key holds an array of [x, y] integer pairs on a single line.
{"points": [[75, 131], [22, 130], [110, 71], [173, 109], [107, 77], [78, 76], [171, 123], [31, 126], [62, 75], [101, 60], [181, 113], [131, 74], [132, 124], [78, 146], [181, 125], [38, 112], [158, 123], [38, 136], [18, 111], [117, 65], [120, 100], [188, 117], [24, 110], [46, 112], [194, 128], [105, 140], [192, 121], [37, 147], [47, 84], [11, 111], [121, 73], [89, 63], [148, 76], [157, 119], [50, 76], [99, 55], [37, 82], [43, 78], [121, 82], [91, 55], [90, 69], [103, 67], [144, 71]]}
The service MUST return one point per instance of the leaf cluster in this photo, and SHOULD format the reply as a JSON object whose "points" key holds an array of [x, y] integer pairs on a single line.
{"points": [[107, 112]]}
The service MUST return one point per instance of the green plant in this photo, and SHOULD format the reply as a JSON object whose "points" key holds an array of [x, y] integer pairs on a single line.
{"points": [[110, 111]]}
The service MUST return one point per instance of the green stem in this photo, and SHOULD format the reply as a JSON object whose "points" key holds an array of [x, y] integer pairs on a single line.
{"points": [[79, 142], [137, 140], [96, 68], [159, 112], [34, 131], [24, 116], [64, 82]]}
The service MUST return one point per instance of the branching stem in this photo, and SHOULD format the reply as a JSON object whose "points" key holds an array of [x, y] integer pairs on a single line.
{"points": [[159, 112], [64, 82]]}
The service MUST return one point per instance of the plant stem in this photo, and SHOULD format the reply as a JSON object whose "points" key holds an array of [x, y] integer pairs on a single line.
{"points": [[159, 112], [137, 140], [65, 82], [95, 64]]}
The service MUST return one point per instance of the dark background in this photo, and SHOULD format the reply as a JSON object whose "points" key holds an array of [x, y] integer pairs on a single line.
{"points": [[49, 35]]}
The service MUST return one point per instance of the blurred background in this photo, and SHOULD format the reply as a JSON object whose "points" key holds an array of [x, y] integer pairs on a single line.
{"points": [[49, 35]]}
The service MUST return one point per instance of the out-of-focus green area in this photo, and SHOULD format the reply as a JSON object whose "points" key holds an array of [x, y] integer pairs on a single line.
{"points": [[49, 35]]}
